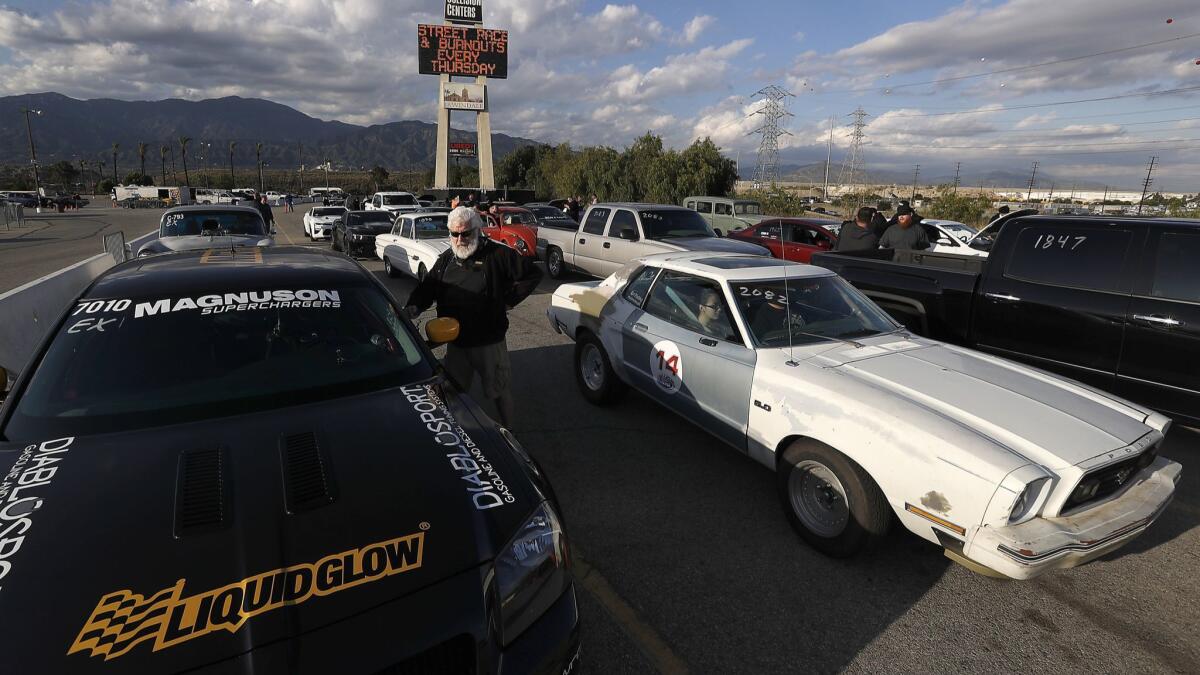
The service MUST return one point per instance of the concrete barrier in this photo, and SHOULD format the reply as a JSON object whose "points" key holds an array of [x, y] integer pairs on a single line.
{"points": [[27, 313]]}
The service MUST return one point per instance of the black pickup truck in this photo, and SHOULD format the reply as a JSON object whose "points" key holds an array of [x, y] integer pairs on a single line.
{"points": [[1113, 302]]}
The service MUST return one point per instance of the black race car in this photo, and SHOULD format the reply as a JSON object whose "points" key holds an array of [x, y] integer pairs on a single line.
{"points": [[247, 461], [355, 233]]}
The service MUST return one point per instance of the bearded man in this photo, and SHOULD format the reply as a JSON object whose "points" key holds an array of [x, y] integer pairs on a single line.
{"points": [[476, 282]]}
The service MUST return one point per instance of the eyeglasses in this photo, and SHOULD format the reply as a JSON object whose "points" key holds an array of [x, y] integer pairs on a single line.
{"points": [[715, 308], [465, 234]]}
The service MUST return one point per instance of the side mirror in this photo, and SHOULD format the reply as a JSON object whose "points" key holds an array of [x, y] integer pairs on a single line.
{"points": [[628, 234], [274, 231], [442, 330]]}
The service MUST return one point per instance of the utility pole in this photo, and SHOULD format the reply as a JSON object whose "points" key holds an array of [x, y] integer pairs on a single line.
{"points": [[1146, 183], [1103, 201], [232, 176], [37, 178], [326, 175], [828, 155], [957, 171], [1032, 179], [258, 157], [766, 172], [1050, 197], [916, 172], [301, 169]]}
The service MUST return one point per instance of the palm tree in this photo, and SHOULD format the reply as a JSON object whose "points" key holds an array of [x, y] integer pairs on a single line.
{"points": [[183, 143], [232, 177], [115, 147], [142, 156], [162, 153]]}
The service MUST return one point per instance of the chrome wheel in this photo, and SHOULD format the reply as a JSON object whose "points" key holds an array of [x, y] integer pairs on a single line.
{"points": [[818, 498], [554, 263], [591, 367]]}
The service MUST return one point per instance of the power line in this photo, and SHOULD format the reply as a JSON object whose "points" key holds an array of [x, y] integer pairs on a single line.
{"points": [[1146, 183], [1013, 69], [855, 165], [1055, 103], [767, 171]]}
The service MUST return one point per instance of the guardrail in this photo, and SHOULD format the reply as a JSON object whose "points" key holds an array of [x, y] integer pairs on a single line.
{"points": [[28, 313]]}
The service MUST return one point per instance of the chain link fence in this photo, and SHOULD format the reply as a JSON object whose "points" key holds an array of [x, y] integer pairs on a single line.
{"points": [[14, 215]]}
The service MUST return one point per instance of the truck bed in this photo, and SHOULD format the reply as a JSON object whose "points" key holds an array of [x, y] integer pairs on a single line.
{"points": [[930, 293]]}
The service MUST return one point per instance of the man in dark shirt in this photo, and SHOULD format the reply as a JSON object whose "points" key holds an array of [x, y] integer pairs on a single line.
{"points": [[476, 282], [264, 208], [905, 235], [858, 236]]}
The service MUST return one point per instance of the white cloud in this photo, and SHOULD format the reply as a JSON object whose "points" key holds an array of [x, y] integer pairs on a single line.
{"points": [[681, 73], [692, 29]]}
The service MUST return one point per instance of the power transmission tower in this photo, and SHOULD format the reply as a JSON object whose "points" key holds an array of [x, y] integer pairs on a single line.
{"points": [[957, 171], [916, 172], [854, 167], [1146, 183], [773, 110], [1032, 178]]}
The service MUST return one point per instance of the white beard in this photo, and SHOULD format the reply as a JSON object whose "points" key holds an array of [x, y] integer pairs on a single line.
{"points": [[464, 252]]}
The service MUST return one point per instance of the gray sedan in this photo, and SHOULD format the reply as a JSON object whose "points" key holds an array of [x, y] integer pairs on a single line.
{"points": [[188, 228]]}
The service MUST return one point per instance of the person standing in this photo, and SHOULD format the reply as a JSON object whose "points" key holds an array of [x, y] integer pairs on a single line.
{"points": [[288, 204], [905, 235], [476, 282], [1003, 211], [859, 235], [264, 207]]}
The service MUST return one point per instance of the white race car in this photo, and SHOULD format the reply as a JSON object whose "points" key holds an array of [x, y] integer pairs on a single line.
{"points": [[319, 221], [414, 244], [1011, 470]]}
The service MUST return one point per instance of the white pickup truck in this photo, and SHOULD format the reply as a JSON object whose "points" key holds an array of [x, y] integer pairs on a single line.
{"points": [[612, 234], [392, 202]]}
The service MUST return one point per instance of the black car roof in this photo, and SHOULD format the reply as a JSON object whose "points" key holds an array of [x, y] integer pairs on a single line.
{"points": [[222, 270]]}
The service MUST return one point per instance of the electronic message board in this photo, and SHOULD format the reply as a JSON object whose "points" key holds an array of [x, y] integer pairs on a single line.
{"points": [[461, 50]]}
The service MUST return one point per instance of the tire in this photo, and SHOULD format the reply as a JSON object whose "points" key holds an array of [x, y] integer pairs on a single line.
{"points": [[831, 501], [554, 263], [333, 242], [387, 267], [594, 373], [421, 272]]}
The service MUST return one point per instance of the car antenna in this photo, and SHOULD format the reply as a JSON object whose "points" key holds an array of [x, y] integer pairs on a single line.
{"points": [[787, 304]]}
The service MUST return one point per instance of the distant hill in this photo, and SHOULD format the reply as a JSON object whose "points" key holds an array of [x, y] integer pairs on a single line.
{"points": [[73, 129], [815, 172]]}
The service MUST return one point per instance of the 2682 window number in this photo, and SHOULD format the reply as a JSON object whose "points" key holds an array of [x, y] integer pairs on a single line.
{"points": [[1065, 242]]}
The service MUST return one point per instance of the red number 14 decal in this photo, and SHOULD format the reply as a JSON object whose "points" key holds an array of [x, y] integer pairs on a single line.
{"points": [[671, 364]]}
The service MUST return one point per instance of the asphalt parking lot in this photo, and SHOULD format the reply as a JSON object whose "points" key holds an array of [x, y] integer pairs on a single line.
{"points": [[686, 561]]}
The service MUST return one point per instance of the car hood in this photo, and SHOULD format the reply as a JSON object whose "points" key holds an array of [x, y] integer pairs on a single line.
{"points": [[171, 548], [715, 244], [1046, 419], [382, 228]]}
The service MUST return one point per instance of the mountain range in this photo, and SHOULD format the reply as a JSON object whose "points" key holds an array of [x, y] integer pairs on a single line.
{"points": [[74, 129], [815, 172]]}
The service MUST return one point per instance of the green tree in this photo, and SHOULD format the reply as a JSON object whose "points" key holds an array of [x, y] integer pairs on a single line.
{"points": [[379, 176], [183, 143], [62, 173], [135, 178], [964, 208]]}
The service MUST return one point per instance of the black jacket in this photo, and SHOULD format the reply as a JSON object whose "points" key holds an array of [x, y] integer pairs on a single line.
{"points": [[498, 279]]}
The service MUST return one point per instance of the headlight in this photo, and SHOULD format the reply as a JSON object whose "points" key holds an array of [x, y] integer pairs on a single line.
{"points": [[1023, 508], [522, 246], [531, 572]]}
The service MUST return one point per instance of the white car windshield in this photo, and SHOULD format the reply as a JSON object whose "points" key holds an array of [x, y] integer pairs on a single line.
{"points": [[399, 200], [817, 308], [323, 211], [214, 222]]}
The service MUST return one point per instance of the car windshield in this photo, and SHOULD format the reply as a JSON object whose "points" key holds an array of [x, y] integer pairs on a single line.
{"points": [[327, 211], [519, 218], [224, 222], [959, 230], [832, 226], [431, 227], [369, 219], [129, 363], [399, 200], [818, 307], [545, 211], [746, 207], [667, 223]]}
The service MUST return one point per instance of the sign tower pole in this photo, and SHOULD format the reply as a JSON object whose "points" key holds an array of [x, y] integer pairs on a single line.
{"points": [[441, 167], [483, 136]]}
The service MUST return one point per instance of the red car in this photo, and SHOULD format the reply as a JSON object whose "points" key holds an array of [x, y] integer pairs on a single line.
{"points": [[794, 239], [520, 238]]}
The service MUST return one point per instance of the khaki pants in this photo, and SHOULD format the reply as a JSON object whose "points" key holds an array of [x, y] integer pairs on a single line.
{"points": [[490, 361]]}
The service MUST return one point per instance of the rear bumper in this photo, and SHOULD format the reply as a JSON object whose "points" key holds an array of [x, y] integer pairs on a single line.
{"points": [[1032, 548]]}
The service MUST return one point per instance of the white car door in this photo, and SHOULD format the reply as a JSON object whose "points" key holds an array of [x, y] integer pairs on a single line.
{"points": [[382, 241], [685, 350]]}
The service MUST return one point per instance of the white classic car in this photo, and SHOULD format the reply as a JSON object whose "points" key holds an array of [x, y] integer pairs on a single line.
{"points": [[414, 244], [950, 236], [1011, 470], [319, 221]]}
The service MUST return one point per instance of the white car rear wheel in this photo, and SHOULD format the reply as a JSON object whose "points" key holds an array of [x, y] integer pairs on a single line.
{"points": [[594, 373]]}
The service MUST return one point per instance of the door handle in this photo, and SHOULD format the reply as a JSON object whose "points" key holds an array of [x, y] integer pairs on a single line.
{"points": [[708, 342], [608, 244], [583, 241], [1002, 297], [416, 257], [640, 327], [1158, 320]]}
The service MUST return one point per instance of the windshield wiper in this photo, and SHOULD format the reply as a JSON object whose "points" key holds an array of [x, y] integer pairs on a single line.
{"points": [[852, 343]]}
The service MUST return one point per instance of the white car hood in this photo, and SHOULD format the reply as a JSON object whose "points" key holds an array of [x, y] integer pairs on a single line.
{"points": [[1048, 420]]}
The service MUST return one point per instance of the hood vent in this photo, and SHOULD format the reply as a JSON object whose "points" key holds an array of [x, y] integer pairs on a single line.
{"points": [[201, 500], [308, 482]]}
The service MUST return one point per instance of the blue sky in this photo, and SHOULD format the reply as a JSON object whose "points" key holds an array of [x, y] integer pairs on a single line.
{"points": [[589, 72]]}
